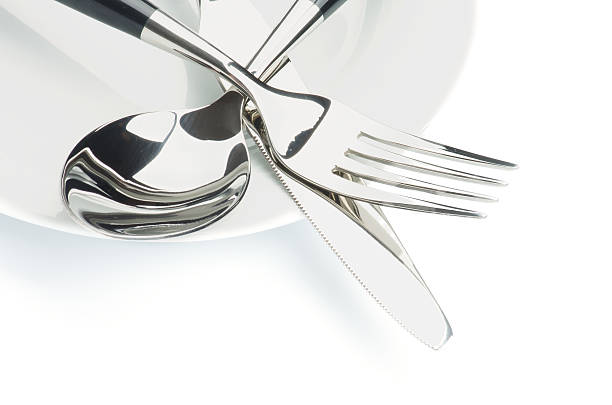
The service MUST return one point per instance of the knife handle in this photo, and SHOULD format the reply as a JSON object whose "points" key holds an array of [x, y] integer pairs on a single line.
{"points": [[301, 19], [129, 16]]}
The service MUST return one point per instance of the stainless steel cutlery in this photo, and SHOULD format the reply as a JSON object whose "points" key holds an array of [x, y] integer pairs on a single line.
{"points": [[158, 175], [331, 159], [316, 139], [366, 244], [165, 174]]}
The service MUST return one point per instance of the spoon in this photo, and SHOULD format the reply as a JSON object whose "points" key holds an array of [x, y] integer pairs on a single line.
{"points": [[165, 174], [161, 174]]}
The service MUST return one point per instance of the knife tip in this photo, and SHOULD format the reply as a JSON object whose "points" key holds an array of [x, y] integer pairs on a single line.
{"points": [[447, 334]]}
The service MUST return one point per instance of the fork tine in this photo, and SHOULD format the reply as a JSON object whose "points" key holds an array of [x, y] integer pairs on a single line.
{"points": [[405, 141], [360, 192], [375, 154], [370, 173]]}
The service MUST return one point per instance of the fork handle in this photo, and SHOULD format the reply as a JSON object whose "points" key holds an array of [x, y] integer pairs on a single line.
{"points": [[129, 16]]}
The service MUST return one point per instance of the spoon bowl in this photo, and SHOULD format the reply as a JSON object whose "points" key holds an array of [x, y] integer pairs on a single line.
{"points": [[159, 175]]}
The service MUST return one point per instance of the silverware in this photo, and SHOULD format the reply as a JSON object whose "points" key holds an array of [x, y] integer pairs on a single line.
{"points": [[388, 283], [315, 139], [165, 174], [366, 244], [158, 175]]}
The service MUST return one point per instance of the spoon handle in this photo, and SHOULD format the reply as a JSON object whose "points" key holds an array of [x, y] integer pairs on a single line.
{"points": [[129, 16], [143, 20], [138, 17]]}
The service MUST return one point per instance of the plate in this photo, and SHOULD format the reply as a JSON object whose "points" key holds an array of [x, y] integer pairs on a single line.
{"points": [[394, 60]]}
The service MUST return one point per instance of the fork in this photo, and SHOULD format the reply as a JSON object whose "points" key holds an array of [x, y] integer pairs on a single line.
{"points": [[316, 140]]}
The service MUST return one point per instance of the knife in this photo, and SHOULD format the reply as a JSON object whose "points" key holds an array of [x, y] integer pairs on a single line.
{"points": [[364, 241]]}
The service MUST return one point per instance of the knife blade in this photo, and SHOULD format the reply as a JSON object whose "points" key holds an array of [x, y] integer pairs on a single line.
{"points": [[364, 241]]}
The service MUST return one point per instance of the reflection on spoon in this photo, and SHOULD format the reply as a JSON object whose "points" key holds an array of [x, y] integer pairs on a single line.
{"points": [[157, 175]]}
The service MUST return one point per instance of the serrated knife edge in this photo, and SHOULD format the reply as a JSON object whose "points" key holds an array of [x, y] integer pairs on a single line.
{"points": [[284, 179]]}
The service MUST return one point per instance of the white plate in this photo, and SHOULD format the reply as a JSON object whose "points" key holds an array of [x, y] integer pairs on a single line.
{"points": [[394, 60]]}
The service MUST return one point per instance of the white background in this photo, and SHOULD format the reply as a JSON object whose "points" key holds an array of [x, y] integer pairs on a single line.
{"points": [[274, 318]]}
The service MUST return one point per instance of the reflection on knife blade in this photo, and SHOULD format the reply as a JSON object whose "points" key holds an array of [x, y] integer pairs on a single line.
{"points": [[364, 241]]}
